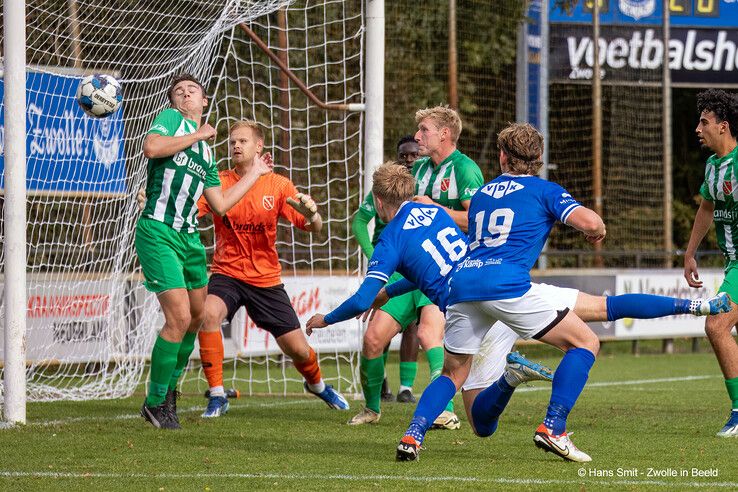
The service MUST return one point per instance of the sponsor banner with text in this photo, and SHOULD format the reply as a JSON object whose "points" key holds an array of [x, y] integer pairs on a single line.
{"points": [[636, 53]]}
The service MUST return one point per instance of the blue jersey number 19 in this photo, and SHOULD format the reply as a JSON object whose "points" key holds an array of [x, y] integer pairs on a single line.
{"points": [[456, 249], [498, 226]]}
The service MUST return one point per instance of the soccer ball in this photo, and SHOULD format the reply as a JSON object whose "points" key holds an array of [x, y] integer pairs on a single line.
{"points": [[99, 95]]}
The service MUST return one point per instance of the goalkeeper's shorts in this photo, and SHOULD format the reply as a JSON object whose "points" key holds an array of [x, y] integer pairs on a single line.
{"points": [[170, 259], [730, 283], [405, 309]]}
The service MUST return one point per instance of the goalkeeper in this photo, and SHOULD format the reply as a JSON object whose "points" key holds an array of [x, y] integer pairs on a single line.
{"points": [[181, 169], [246, 270]]}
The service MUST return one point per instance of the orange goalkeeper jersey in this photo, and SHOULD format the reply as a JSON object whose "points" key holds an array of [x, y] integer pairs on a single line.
{"points": [[245, 237]]}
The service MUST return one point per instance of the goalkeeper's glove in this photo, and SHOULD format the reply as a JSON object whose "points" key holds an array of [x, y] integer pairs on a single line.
{"points": [[141, 199], [305, 206]]}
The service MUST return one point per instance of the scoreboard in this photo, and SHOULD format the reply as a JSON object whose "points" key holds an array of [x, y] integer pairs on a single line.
{"points": [[686, 13]]}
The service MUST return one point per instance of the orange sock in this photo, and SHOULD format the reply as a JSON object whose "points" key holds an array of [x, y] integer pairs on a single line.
{"points": [[211, 355], [310, 369]]}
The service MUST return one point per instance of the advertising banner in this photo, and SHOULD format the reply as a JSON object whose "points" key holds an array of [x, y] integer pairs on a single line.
{"points": [[67, 151], [636, 53]]}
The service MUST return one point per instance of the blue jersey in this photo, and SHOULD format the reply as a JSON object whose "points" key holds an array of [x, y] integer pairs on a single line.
{"points": [[422, 243], [510, 219]]}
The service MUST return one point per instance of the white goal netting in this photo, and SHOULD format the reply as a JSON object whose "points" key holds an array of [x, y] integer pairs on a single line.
{"points": [[90, 323]]}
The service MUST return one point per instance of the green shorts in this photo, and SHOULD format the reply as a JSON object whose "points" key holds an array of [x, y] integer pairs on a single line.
{"points": [[730, 283], [170, 259], [405, 309]]}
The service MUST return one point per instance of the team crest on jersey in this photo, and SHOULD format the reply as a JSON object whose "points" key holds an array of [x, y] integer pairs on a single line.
{"points": [[728, 187], [445, 184], [498, 190], [268, 202], [420, 217]]}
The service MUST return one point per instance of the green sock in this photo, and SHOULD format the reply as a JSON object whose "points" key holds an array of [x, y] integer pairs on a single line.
{"points": [[163, 360], [435, 363], [408, 371], [372, 375], [732, 385], [183, 357]]}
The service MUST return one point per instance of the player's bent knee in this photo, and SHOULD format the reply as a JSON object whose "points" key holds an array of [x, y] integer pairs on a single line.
{"points": [[373, 344], [179, 321]]}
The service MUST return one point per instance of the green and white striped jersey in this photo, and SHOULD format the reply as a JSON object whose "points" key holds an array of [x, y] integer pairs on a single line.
{"points": [[175, 183], [721, 188], [453, 181]]}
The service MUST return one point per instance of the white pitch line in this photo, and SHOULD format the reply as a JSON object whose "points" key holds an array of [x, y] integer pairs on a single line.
{"points": [[623, 383], [129, 416], [361, 478], [71, 420]]}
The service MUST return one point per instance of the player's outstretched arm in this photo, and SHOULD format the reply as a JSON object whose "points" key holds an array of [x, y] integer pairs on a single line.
{"points": [[156, 146], [702, 223], [588, 222], [221, 201], [306, 207], [351, 307]]}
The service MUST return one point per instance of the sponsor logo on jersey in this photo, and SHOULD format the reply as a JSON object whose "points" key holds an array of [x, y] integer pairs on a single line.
{"points": [[267, 201], [160, 128], [420, 217], [468, 263], [493, 261], [248, 227], [498, 190], [727, 187], [470, 191], [445, 184], [724, 215], [373, 263]]}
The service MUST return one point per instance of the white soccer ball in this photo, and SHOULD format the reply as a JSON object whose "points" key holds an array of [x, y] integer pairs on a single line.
{"points": [[99, 95]]}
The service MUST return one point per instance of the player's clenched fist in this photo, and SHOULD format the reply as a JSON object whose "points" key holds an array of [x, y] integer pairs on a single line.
{"points": [[206, 132], [317, 321]]}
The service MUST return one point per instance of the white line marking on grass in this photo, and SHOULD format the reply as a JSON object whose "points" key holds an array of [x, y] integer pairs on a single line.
{"points": [[195, 409], [623, 383], [71, 420], [359, 478]]}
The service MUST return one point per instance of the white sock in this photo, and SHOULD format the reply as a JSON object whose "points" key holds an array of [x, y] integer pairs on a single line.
{"points": [[403, 388], [217, 391], [317, 388]]}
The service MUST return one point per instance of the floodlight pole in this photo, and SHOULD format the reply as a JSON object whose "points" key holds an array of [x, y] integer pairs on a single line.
{"points": [[667, 140], [14, 212], [597, 126]]}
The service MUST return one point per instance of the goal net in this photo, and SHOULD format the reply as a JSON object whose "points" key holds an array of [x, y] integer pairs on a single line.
{"points": [[90, 322]]}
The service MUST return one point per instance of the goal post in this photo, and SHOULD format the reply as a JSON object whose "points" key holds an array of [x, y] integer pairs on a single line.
{"points": [[14, 212], [90, 322]]}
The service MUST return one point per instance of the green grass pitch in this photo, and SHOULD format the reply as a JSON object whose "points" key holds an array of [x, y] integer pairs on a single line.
{"points": [[649, 423]]}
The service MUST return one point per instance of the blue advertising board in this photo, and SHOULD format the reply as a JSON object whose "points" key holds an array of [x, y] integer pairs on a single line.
{"points": [[66, 150], [684, 13]]}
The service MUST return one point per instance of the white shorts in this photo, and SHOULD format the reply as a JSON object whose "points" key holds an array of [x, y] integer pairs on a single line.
{"points": [[489, 363]]}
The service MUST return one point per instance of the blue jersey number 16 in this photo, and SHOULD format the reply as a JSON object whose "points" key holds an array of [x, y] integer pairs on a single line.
{"points": [[455, 249]]}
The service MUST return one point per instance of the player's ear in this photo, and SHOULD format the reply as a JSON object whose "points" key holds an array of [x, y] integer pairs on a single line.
{"points": [[259, 146]]}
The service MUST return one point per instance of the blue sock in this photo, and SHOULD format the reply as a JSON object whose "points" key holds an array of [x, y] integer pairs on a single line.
{"points": [[568, 383], [644, 306], [489, 405], [432, 402]]}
